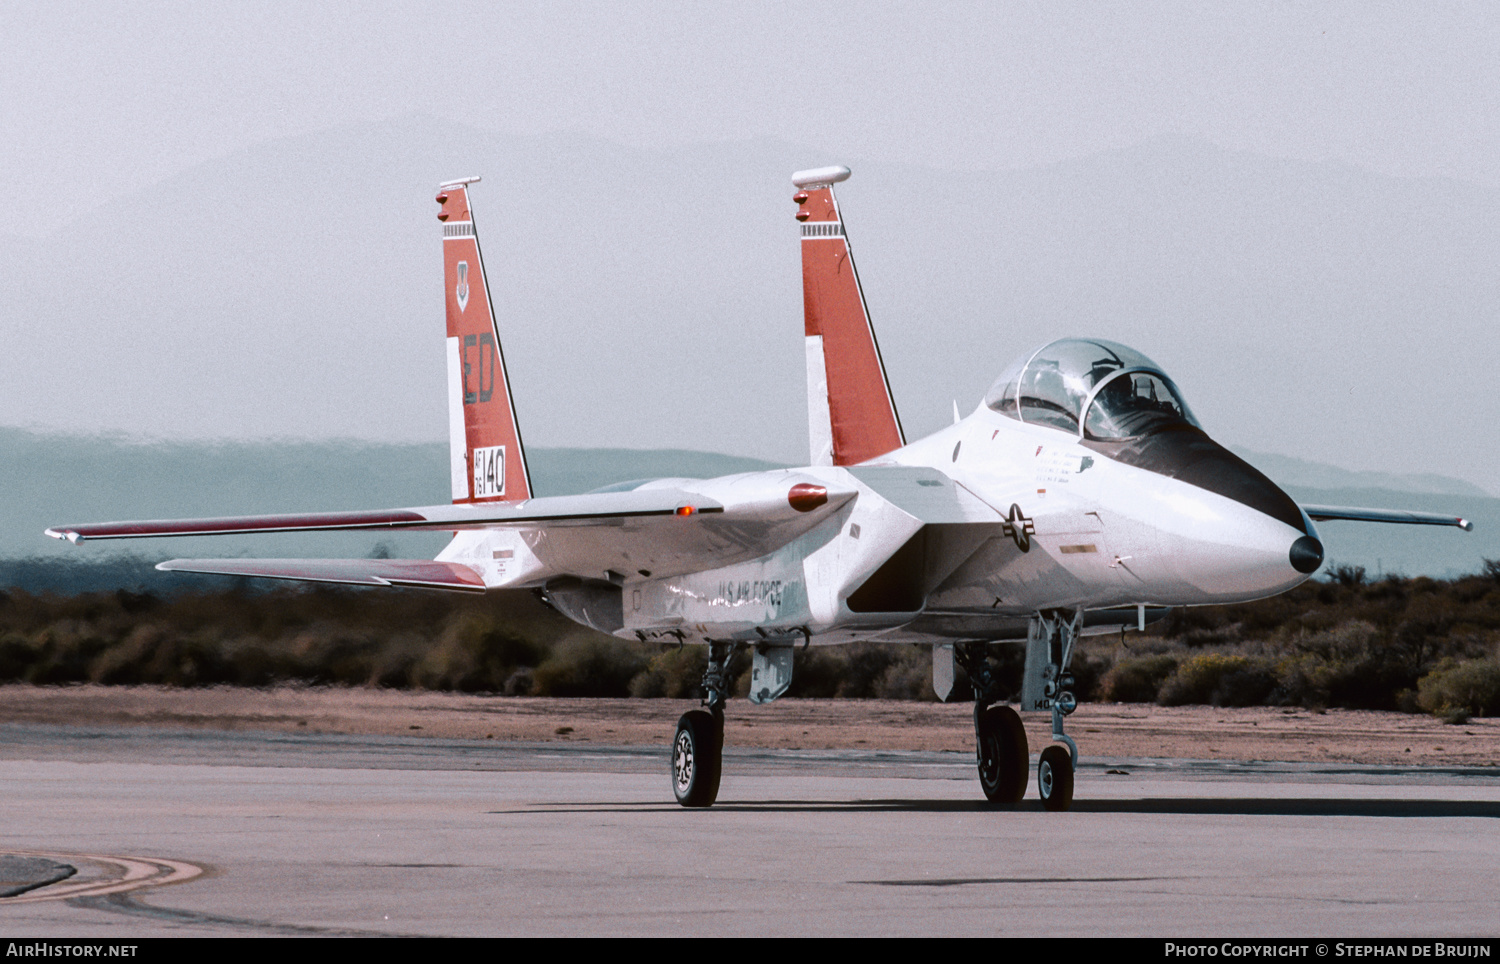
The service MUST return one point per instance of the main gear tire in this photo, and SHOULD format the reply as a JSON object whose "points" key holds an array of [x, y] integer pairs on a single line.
{"points": [[697, 758], [1000, 745]]}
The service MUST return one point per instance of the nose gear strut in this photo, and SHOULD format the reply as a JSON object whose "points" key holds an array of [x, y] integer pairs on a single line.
{"points": [[1047, 685]]}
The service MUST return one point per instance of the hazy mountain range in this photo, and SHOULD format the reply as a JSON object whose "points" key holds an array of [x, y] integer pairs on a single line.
{"points": [[52, 479]]}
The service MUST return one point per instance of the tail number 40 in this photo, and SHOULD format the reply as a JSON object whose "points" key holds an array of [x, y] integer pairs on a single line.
{"points": [[489, 472]]}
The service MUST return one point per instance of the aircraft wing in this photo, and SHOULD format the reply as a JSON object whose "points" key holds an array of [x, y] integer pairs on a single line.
{"points": [[659, 529], [556, 510], [1324, 513], [421, 573]]}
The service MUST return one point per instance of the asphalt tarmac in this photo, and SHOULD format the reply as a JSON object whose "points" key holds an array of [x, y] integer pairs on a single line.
{"points": [[209, 833]]}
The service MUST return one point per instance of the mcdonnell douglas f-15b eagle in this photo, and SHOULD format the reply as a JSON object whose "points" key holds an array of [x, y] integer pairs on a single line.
{"points": [[1080, 496]]}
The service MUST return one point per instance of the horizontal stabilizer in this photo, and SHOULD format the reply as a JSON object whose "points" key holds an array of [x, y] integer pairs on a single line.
{"points": [[553, 509], [1324, 513], [419, 573]]}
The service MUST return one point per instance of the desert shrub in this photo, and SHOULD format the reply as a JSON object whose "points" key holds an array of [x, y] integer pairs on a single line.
{"points": [[17, 655], [907, 678], [1219, 679], [520, 683], [1137, 679], [474, 653], [589, 666], [395, 664], [1459, 689], [817, 672], [865, 665], [1089, 667], [1346, 575], [1353, 666], [1204, 636], [673, 674]]}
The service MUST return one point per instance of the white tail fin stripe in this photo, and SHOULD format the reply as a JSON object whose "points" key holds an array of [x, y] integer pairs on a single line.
{"points": [[458, 445], [819, 420]]}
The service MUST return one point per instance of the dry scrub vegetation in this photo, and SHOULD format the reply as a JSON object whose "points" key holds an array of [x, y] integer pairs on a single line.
{"points": [[1394, 644]]}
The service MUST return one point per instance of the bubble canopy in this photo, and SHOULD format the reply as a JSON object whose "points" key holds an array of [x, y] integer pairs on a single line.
{"points": [[1092, 388]]}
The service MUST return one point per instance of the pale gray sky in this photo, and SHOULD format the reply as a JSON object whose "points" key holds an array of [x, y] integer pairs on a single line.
{"points": [[101, 98], [99, 101]]}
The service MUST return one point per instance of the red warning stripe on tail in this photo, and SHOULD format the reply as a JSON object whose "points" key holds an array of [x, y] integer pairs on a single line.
{"points": [[851, 414], [487, 460]]}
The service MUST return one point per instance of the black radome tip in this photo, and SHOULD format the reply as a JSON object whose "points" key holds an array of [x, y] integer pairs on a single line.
{"points": [[1307, 554]]}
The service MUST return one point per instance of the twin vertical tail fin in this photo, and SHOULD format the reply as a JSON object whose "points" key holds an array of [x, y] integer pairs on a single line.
{"points": [[487, 461], [850, 411]]}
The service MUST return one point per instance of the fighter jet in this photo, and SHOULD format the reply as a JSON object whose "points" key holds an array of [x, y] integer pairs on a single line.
{"points": [[1080, 496]]}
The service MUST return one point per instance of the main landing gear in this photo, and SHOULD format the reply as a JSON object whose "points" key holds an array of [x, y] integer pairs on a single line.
{"points": [[999, 738], [698, 747]]}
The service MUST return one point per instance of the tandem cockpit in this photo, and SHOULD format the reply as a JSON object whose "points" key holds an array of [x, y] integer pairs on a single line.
{"points": [[1119, 403], [1094, 389]]}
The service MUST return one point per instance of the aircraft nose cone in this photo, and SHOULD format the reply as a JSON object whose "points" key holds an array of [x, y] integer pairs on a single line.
{"points": [[1307, 554]]}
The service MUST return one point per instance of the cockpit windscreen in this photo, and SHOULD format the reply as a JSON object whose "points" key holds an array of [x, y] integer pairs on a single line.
{"points": [[1115, 391]]}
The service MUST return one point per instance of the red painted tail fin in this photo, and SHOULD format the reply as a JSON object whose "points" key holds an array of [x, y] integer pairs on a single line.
{"points": [[488, 463], [851, 414]]}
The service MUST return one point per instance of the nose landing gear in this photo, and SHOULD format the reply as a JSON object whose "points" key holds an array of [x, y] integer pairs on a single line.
{"points": [[1054, 778], [1048, 685]]}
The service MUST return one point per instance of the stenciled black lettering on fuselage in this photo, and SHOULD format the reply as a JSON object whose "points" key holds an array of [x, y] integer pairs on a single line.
{"points": [[750, 591]]}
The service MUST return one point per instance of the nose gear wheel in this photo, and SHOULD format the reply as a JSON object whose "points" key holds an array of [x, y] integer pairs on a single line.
{"points": [[1054, 778]]}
